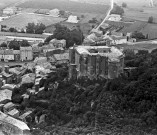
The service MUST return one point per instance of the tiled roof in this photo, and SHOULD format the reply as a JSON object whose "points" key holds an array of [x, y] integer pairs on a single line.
{"points": [[63, 56]]}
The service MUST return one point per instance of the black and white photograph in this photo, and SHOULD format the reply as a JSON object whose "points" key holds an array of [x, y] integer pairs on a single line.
{"points": [[78, 67]]}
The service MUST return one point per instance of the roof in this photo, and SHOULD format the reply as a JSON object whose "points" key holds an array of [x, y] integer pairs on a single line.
{"points": [[29, 48], [16, 51], [25, 18], [5, 95], [22, 34], [25, 115], [10, 120], [6, 74], [42, 11], [13, 112], [14, 71], [72, 19], [63, 56], [8, 105], [8, 52]]}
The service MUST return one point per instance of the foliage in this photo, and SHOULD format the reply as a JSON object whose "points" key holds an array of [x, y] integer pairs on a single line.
{"points": [[14, 44], [117, 10], [24, 43], [12, 30], [150, 19], [71, 36], [94, 20], [3, 44], [35, 28], [124, 5], [138, 35]]}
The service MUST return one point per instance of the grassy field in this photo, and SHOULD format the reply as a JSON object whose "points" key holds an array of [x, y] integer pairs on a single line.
{"points": [[26, 18], [141, 14], [66, 5]]}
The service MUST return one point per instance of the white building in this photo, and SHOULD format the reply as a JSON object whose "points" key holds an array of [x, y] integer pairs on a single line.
{"points": [[116, 40], [72, 19], [26, 53], [55, 12], [10, 10], [114, 17], [58, 43]]}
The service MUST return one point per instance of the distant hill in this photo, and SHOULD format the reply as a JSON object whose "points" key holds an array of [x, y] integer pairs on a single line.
{"points": [[67, 5]]}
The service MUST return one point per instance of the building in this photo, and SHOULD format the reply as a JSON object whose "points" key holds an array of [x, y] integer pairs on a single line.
{"points": [[12, 126], [10, 10], [8, 107], [25, 115], [5, 96], [8, 55], [114, 17], [16, 55], [72, 19], [96, 61], [14, 113], [58, 43], [54, 12], [26, 53]]}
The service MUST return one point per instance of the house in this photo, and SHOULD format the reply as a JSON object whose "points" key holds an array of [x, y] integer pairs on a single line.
{"points": [[118, 40], [12, 126], [14, 113], [24, 116], [54, 12], [36, 50], [16, 73], [58, 43], [16, 55], [5, 96], [61, 58], [72, 19], [8, 55], [42, 11], [114, 17], [26, 53], [7, 77], [10, 10], [8, 107]]}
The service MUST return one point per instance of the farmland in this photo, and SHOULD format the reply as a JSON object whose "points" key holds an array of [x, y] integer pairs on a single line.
{"points": [[141, 14], [26, 18], [66, 5]]}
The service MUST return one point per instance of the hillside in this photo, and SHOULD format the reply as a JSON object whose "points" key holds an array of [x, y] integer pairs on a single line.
{"points": [[66, 5]]}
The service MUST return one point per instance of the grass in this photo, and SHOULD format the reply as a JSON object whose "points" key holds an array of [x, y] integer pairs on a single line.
{"points": [[66, 5], [26, 18]]}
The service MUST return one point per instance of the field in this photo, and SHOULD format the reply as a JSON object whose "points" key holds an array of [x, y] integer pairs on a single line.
{"points": [[141, 14], [66, 5], [26, 18]]}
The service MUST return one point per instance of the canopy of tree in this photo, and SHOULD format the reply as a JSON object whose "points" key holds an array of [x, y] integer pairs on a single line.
{"points": [[3, 44], [35, 28], [150, 19], [72, 37], [138, 35], [14, 44], [117, 10]]}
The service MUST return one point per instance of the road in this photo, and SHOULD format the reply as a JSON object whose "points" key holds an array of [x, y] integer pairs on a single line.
{"points": [[112, 3]]}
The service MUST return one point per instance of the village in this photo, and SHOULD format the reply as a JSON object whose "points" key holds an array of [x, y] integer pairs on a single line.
{"points": [[43, 83]]}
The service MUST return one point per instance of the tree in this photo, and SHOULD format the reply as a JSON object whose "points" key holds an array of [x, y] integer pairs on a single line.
{"points": [[39, 28], [124, 5], [138, 35], [150, 19], [62, 12], [14, 44], [30, 28], [12, 30], [117, 10], [24, 43], [3, 44], [72, 37]]}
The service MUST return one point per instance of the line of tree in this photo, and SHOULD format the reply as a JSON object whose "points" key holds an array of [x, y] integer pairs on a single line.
{"points": [[72, 37], [35, 28], [14, 44]]}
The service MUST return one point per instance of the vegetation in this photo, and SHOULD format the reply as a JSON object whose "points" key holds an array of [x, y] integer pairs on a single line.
{"points": [[124, 5], [117, 10], [126, 105], [71, 36], [35, 28], [3, 44], [138, 35], [14, 44], [94, 20], [150, 19]]}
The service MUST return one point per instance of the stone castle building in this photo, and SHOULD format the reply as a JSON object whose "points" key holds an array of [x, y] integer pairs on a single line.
{"points": [[95, 61]]}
